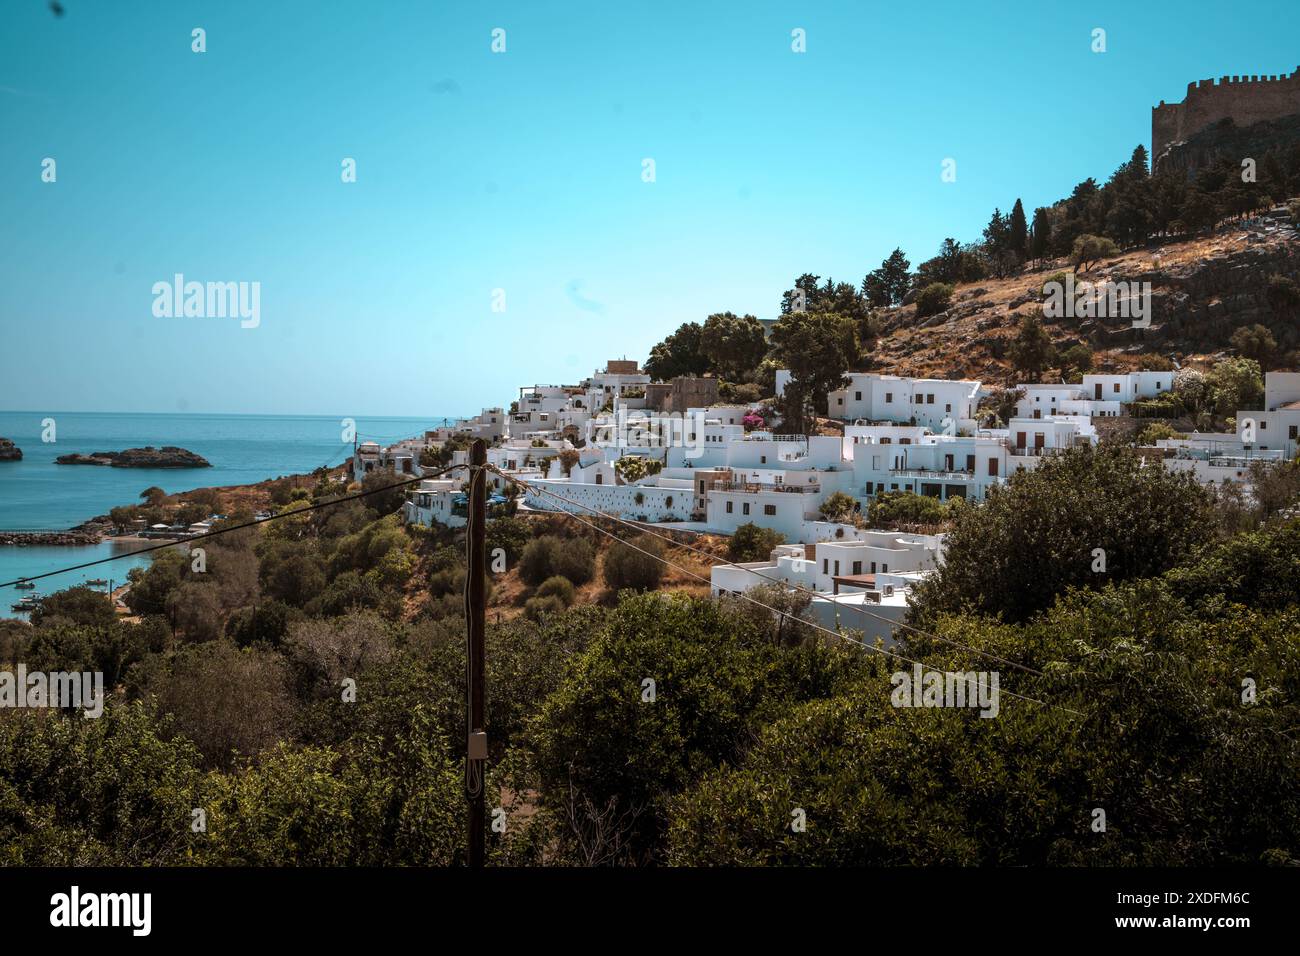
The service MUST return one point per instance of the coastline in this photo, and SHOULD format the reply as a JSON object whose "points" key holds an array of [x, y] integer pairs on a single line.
{"points": [[100, 529]]}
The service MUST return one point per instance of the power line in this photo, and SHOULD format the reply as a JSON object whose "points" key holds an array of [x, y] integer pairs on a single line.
{"points": [[812, 624], [781, 581], [239, 527]]}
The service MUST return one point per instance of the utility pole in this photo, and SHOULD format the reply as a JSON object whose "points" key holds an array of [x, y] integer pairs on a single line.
{"points": [[475, 626]]}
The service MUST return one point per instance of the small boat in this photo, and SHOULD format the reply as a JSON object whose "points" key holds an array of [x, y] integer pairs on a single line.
{"points": [[25, 585], [97, 582], [30, 603]]}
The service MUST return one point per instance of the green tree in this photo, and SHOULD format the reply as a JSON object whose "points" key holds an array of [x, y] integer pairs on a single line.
{"points": [[750, 542], [733, 344], [679, 354], [549, 555], [933, 299], [1018, 231], [1045, 531], [1032, 351], [1088, 249], [888, 285], [817, 348], [837, 507], [1236, 383], [715, 673], [1040, 240], [1255, 342], [639, 568]]}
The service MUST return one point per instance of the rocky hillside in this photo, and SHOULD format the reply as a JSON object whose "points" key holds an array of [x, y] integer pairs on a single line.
{"points": [[1226, 140], [1202, 290]]}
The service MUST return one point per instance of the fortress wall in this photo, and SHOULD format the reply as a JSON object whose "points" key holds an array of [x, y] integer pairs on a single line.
{"points": [[1243, 99]]}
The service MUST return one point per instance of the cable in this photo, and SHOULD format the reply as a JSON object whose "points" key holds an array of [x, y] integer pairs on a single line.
{"points": [[239, 527], [787, 584], [815, 626]]}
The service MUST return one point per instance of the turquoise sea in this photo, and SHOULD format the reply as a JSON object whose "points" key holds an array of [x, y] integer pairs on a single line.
{"points": [[37, 494]]}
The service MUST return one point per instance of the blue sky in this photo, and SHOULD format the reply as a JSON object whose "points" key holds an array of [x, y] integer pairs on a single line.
{"points": [[521, 171]]}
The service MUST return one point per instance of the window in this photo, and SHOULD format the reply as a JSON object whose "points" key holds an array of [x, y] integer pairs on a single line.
{"points": [[600, 479], [826, 566], [762, 460], [769, 509], [884, 569], [889, 398], [948, 407], [857, 567], [1263, 425], [729, 504], [837, 567], [744, 508], [929, 399], [1293, 432], [970, 463], [919, 399], [857, 396], [839, 401], [993, 467], [1117, 386]]}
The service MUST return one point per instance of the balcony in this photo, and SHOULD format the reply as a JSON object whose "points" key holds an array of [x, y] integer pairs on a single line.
{"points": [[752, 487], [932, 473], [1020, 451]]}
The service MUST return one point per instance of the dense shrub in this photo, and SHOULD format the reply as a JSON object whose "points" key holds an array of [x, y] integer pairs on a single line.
{"points": [[749, 542], [549, 555], [626, 567], [933, 299]]}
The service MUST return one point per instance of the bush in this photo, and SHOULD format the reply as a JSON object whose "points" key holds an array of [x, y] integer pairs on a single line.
{"points": [[837, 507], [549, 555], [537, 608], [558, 587], [933, 299], [1283, 294], [1057, 278], [1154, 432], [1088, 249], [906, 507], [1038, 535], [1077, 358], [626, 567], [752, 543]]}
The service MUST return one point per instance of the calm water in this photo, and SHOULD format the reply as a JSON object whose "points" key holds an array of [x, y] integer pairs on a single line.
{"points": [[36, 494]]}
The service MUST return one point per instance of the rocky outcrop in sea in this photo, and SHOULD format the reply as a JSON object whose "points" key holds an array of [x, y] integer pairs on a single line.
{"points": [[169, 456], [9, 451]]}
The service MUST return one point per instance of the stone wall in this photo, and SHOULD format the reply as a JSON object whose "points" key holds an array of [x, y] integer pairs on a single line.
{"points": [[1243, 99]]}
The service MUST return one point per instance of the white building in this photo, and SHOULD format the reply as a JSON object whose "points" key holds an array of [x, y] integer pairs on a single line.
{"points": [[941, 404], [861, 585], [368, 457], [1276, 426], [1127, 387]]}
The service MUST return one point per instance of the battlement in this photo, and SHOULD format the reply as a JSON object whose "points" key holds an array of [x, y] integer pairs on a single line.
{"points": [[1243, 99]]}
